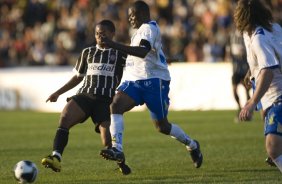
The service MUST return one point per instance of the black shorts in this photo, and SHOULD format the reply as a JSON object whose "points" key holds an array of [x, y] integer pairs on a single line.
{"points": [[95, 106], [240, 69], [237, 78]]}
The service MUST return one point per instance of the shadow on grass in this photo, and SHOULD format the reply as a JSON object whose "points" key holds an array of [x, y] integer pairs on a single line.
{"points": [[253, 170]]}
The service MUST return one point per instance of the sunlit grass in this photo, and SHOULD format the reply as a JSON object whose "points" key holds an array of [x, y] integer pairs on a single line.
{"points": [[233, 153]]}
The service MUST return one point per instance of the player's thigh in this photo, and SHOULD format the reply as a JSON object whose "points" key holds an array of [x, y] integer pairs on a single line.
{"points": [[100, 113], [273, 129], [72, 114], [128, 96], [122, 102]]}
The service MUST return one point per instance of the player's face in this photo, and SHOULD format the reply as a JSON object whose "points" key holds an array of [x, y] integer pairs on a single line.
{"points": [[102, 31], [133, 18]]}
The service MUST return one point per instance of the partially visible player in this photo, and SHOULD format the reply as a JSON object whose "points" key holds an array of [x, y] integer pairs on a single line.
{"points": [[263, 40], [146, 81], [248, 84], [101, 68], [239, 65]]}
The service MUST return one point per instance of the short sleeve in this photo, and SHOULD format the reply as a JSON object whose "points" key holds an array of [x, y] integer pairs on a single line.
{"points": [[264, 52], [147, 33], [80, 67]]}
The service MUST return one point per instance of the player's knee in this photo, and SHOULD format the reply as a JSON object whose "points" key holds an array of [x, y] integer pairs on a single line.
{"points": [[65, 122], [114, 107], [272, 154], [163, 128], [273, 150]]}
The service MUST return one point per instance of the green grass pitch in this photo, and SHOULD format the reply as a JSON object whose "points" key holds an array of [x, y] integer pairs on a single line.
{"points": [[233, 152]]}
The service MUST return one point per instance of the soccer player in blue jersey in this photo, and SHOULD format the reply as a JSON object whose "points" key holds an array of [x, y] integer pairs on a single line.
{"points": [[263, 40], [145, 81], [101, 68]]}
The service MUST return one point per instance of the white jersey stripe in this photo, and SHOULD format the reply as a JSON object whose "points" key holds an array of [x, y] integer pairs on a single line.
{"points": [[161, 99]]}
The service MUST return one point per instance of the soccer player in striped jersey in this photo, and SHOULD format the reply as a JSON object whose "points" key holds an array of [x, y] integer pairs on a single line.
{"points": [[239, 65], [101, 68], [146, 81], [263, 40]]}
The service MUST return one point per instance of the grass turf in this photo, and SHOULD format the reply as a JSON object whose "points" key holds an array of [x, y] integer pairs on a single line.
{"points": [[233, 153]]}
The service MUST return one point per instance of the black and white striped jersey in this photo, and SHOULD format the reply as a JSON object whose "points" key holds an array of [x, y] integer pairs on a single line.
{"points": [[102, 70]]}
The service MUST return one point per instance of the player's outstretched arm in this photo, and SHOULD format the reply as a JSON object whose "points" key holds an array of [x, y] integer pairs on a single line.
{"points": [[53, 97], [74, 81], [131, 50]]}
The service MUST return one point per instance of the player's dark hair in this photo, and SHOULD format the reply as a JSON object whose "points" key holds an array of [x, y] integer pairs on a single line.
{"points": [[141, 6], [108, 24], [252, 13]]}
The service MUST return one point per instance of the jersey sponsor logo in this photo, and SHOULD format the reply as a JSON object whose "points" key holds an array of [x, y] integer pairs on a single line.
{"points": [[147, 83], [129, 64], [101, 69]]}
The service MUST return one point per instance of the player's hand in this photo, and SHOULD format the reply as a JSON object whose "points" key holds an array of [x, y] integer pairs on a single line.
{"points": [[53, 98], [247, 111], [247, 81]]}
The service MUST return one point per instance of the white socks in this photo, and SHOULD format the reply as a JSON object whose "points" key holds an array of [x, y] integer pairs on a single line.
{"points": [[178, 134], [117, 127], [278, 162], [55, 153], [116, 130]]}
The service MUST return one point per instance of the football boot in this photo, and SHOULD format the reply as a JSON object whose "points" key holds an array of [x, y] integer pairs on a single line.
{"points": [[51, 162], [112, 154], [196, 155], [270, 162], [123, 168]]}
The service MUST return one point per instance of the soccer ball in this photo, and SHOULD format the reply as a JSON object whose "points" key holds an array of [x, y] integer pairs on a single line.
{"points": [[25, 171]]}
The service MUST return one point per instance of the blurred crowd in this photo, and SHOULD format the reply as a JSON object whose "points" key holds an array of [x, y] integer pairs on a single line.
{"points": [[53, 32]]}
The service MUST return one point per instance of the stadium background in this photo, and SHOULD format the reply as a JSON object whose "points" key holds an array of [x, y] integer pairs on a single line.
{"points": [[234, 152], [40, 41]]}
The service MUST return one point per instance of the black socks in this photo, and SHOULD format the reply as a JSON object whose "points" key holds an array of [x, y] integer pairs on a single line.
{"points": [[61, 140]]}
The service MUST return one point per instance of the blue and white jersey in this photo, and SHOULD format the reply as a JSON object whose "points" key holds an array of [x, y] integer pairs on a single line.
{"points": [[154, 64], [264, 50]]}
